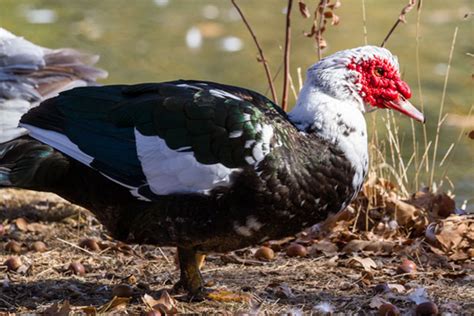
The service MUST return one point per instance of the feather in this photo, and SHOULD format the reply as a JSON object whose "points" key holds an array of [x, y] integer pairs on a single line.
{"points": [[31, 73]]}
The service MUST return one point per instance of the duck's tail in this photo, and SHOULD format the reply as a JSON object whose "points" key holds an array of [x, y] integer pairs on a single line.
{"points": [[30, 74], [26, 163]]}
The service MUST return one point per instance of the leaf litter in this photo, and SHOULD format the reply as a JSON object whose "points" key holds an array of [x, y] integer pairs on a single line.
{"points": [[351, 267]]}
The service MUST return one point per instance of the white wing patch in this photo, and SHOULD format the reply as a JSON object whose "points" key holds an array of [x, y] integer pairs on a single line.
{"points": [[261, 148], [224, 94], [169, 171], [59, 142], [64, 145], [214, 92]]}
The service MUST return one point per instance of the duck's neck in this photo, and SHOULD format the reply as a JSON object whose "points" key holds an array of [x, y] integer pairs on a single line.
{"points": [[339, 122]]}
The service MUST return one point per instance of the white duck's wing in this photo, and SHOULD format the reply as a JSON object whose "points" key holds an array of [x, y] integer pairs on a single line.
{"points": [[30, 73]]}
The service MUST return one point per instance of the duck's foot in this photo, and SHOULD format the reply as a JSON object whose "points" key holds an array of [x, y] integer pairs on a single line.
{"points": [[191, 280], [192, 284]]}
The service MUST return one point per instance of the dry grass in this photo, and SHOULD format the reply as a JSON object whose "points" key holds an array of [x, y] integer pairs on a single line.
{"points": [[284, 285]]}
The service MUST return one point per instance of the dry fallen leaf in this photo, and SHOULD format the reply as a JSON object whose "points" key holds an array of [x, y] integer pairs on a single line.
{"points": [[165, 304], [280, 290], [419, 295], [377, 301], [114, 305], [367, 263], [328, 248], [395, 286], [58, 310], [36, 227], [453, 236], [21, 224], [227, 296], [304, 9]]}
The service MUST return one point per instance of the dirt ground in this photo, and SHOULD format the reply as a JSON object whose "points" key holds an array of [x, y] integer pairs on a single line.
{"points": [[319, 283]]}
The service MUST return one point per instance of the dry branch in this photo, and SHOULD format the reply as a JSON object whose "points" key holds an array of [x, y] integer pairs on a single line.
{"points": [[260, 51], [286, 57], [401, 18], [319, 38]]}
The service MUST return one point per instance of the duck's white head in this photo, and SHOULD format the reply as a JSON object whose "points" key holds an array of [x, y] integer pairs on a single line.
{"points": [[340, 88], [366, 78]]}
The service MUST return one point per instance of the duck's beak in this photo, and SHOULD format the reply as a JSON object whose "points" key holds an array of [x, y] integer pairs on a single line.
{"points": [[404, 106]]}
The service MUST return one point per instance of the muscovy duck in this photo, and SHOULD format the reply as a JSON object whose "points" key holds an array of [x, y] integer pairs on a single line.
{"points": [[208, 167], [30, 73]]}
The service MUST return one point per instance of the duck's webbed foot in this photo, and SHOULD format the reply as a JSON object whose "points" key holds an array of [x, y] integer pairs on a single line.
{"points": [[191, 279], [192, 283]]}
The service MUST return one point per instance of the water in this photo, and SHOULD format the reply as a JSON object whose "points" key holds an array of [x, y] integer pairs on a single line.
{"points": [[157, 40]]}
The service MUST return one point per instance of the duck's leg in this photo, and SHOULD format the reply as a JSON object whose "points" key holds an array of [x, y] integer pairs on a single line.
{"points": [[191, 279]]}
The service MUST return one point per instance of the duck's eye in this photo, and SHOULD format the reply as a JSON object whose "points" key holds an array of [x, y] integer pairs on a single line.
{"points": [[379, 71]]}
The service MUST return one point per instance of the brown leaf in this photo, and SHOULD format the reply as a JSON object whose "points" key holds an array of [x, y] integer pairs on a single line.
{"points": [[304, 9], [165, 304], [377, 301], [335, 5], [284, 291], [395, 286], [21, 224], [452, 236], [328, 248], [366, 263], [322, 43], [355, 246], [227, 296], [58, 310], [89, 310], [404, 213], [36, 227], [114, 305], [335, 19], [377, 246], [311, 32], [328, 14]]}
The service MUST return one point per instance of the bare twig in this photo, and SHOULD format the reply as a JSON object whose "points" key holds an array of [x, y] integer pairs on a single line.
{"points": [[320, 8], [275, 76], [292, 86], [260, 52], [286, 58], [76, 246], [401, 18], [364, 21]]}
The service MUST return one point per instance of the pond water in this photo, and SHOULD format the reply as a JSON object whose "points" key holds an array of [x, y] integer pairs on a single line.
{"points": [[158, 40]]}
